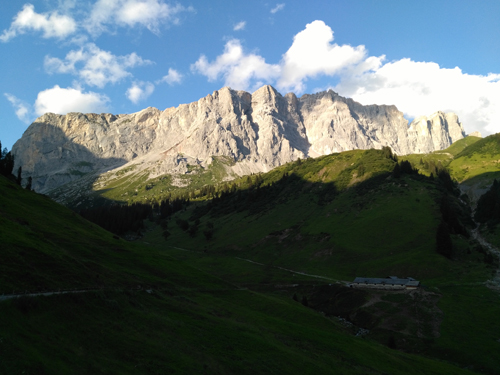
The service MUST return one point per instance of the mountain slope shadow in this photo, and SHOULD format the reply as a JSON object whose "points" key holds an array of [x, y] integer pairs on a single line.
{"points": [[57, 162]]}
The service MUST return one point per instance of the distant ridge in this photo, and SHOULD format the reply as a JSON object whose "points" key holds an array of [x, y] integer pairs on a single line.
{"points": [[258, 131]]}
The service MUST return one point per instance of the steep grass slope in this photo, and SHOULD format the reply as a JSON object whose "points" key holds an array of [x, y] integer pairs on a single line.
{"points": [[478, 162], [182, 320]]}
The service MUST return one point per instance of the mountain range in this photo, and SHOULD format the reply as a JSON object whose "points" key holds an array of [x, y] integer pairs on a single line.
{"points": [[256, 132]]}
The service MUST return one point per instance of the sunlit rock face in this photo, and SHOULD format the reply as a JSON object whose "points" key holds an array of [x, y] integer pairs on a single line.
{"points": [[435, 132], [257, 131]]}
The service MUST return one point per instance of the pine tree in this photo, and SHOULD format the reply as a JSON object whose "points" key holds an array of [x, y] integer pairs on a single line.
{"points": [[28, 185], [304, 301], [444, 246], [396, 172], [19, 173]]}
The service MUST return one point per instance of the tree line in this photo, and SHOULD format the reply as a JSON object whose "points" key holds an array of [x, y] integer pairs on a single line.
{"points": [[121, 219], [7, 167]]}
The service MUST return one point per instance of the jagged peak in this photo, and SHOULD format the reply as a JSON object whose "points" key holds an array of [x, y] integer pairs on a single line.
{"points": [[267, 89]]}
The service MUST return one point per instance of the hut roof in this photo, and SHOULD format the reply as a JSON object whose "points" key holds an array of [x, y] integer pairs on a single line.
{"points": [[389, 280]]}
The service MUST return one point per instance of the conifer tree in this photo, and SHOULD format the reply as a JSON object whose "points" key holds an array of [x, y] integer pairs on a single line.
{"points": [[19, 173], [30, 181], [444, 246]]}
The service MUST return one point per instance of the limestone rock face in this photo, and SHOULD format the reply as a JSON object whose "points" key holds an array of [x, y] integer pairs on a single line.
{"points": [[258, 131], [434, 132], [475, 134]]}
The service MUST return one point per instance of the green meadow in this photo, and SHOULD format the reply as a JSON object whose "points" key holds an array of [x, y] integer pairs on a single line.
{"points": [[259, 284]]}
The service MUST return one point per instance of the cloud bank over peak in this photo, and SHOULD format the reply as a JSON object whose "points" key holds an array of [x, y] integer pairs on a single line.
{"points": [[416, 88], [240, 70], [64, 100], [312, 53]]}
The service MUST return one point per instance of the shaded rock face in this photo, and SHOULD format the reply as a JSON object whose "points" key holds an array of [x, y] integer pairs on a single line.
{"points": [[258, 131]]}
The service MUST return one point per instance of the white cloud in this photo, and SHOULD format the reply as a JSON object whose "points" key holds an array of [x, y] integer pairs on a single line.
{"points": [[172, 77], [140, 91], [150, 14], [23, 109], [240, 26], [416, 88], [422, 88], [278, 7], [239, 69], [312, 53], [98, 67], [63, 100], [53, 25]]}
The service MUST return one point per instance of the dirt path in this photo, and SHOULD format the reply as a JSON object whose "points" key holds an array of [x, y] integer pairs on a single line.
{"points": [[4, 297], [286, 269]]}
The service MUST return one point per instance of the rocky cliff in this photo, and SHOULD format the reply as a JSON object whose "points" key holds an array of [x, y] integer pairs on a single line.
{"points": [[258, 131]]}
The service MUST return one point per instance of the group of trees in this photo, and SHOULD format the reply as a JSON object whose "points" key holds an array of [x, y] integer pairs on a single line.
{"points": [[488, 205], [6, 161], [119, 219], [403, 167], [192, 229], [7, 166]]}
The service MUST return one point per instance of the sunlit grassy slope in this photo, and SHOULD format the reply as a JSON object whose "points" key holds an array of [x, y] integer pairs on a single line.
{"points": [[182, 320], [479, 162], [324, 218]]}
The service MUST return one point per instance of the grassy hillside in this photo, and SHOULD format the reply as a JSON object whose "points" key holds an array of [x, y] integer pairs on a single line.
{"points": [[317, 222], [478, 161], [225, 295], [133, 184], [182, 320]]}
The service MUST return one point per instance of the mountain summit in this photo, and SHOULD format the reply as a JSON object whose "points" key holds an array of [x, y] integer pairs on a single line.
{"points": [[257, 131]]}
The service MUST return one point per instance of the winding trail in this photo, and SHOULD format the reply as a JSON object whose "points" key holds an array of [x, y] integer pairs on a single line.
{"points": [[4, 297], [286, 269]]}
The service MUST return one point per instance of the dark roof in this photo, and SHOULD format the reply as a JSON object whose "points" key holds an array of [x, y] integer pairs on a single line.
{"points": [[390, 280]]}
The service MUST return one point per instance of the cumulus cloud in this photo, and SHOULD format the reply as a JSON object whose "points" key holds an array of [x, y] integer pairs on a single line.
{"points": [[416, 88], [278, 7], [94, 66], [172, 77], [63, 100], [140, 91], [422, 88], [52, 25], [150, 14], [240, 70], [23, 109], [313, 53], [240, 26]]}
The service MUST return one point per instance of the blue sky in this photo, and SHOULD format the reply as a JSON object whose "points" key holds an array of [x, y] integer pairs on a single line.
{"points": [[120, 56]]}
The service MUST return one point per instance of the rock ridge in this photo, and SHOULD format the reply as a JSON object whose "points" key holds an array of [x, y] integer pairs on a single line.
{"points": [[259, 131]]}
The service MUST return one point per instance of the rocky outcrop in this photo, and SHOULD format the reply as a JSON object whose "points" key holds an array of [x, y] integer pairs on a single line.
{"points": [[435, 132], [258, 131]]}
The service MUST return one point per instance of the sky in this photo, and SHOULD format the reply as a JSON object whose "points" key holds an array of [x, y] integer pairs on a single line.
{"points": [[121, 56]]}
